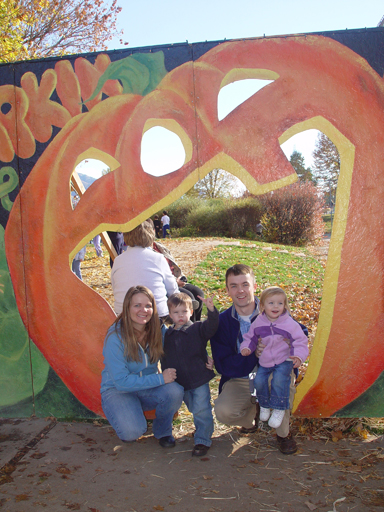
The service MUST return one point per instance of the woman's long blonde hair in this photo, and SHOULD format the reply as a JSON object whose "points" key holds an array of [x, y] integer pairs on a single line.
{"points": [[128, 335]]}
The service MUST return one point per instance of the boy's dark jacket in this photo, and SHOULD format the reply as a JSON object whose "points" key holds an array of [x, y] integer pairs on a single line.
{"points": [[185, 350]]}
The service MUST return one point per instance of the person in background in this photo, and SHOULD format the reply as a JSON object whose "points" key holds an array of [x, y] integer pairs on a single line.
{"points": [[157, 226], [166, 224], [76, 263], [130, 381], [96, 244], [140, 264], [117, 240]]}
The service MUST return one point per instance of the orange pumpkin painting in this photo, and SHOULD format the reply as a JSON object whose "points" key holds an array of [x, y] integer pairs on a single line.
{"points": [[316, 83]]}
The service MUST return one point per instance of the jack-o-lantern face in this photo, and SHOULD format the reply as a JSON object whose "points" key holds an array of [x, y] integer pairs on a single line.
{"points": [[318, 83]]}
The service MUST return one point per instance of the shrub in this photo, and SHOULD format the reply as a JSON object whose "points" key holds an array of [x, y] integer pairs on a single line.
{"points": [[209, 218], [243, 216], [180, 209], [293, 214]]}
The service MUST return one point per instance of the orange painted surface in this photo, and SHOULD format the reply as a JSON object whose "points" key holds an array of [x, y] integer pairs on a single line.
{"points": [[317, 77]]}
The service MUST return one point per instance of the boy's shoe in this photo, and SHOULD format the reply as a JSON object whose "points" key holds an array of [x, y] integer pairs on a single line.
{"points": [[255, 427], [199, 450], [167, 442], [276, 418], [287, 445], [264, 413]]}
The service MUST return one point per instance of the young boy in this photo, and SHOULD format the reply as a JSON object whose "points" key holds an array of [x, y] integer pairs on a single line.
{"points": [[185, 350]]}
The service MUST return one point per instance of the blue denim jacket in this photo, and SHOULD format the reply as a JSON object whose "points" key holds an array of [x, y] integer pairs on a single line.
{"points": [[122, 373]]}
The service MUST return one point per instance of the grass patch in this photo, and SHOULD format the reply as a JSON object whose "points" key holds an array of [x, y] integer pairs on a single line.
{"points": [[299, 274], [328, 221]]}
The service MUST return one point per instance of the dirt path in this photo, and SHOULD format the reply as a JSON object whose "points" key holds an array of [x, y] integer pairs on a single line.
{"points": [[80, 466]]}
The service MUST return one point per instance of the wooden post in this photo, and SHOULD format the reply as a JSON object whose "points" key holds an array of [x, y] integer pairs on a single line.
{"points": [[78, 186]]}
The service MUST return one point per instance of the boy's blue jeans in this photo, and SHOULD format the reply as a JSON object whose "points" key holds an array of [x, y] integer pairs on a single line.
{"points": [[278, 397], [124, 411], [198, 402]]}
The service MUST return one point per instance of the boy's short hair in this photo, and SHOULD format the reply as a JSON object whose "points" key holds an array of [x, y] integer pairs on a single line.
{"points": [[239, 270], [179, 299]]}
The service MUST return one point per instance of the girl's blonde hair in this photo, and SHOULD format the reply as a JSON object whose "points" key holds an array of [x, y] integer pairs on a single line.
{"points": [[273, 290], [128, 335]]}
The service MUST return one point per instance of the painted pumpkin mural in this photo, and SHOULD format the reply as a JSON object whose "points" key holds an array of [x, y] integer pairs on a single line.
{"points": [[80, 110]]}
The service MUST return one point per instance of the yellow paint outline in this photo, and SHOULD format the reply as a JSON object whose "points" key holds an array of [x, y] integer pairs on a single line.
{"points": [[237, 74], [347, 157]]}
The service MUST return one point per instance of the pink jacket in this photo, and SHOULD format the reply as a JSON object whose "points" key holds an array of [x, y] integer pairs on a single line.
{"points": [[283, 338]]}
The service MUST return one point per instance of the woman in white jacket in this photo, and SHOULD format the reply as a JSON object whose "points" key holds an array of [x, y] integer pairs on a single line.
{"points": [[140, 265]]}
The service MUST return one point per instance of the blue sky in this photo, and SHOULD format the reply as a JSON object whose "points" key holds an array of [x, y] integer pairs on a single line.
{"points": [[156, 22], [152, 22]]}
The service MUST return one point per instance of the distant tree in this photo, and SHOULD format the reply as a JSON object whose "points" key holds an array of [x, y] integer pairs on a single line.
{"points": [[40, 28], [298, 163], [326, 164], [217, 183]]}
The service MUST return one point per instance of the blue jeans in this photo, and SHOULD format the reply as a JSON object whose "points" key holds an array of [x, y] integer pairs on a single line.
{"points": [[165, 230], [198, 402], [76, 268], [124, 411], [278, 398]]}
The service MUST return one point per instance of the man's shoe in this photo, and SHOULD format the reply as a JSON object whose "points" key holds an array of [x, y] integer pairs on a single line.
{"points": [[287, 445], [200, 450], [255, 427], [167, 442]]}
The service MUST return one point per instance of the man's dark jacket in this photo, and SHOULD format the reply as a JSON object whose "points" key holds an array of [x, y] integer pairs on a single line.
{"points": [[228, 361], [185, 350]]}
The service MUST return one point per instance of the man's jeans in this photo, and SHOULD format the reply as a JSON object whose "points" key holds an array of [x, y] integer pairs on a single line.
{"points": [[278, 397], [124, 411], [198, 402]]}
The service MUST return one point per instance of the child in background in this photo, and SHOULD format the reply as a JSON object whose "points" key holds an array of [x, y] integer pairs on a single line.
{"points": [[185, 350], [166, 224], [286, 347], [76, 263]]}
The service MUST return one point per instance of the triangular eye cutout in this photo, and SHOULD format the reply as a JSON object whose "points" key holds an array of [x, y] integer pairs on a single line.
{"points": [[235, 93], [162, 151]]}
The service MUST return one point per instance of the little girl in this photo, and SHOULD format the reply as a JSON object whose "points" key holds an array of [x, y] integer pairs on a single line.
{"points": [[286, 347]]}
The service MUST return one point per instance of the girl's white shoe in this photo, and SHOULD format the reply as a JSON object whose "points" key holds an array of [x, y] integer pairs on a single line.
{"points": [[264, 414], [276, 418]]}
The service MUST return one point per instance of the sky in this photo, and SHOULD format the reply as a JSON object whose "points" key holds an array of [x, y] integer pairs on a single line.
{"points": [[157, 22]]}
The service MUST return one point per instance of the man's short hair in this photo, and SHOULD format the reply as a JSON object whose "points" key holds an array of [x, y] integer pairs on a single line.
{"points": [[238, 270], [179, 299]]}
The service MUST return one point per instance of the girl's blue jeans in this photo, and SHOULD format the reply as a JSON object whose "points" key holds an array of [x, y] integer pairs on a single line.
{"points": [[124, 411], [278, 396], [198, 402]]}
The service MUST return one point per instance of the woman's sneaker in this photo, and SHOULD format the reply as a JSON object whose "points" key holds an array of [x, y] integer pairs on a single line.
{"points": [[276, 418], [264, 413]]}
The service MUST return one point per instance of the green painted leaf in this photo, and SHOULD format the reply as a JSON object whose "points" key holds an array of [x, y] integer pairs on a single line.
{"points": [[17, 352], [139, 73]]}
